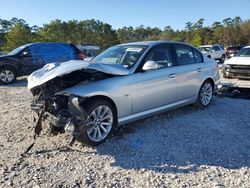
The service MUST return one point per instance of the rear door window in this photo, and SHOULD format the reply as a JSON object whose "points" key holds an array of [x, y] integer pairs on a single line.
{"points": [[198, 56], [184, 54], [216, 48]]}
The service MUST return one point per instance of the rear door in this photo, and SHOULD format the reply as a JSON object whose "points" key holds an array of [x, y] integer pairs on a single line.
{"points": [[155, 88], [216, 52], [190, 70], [52, 53], [64, 52]]}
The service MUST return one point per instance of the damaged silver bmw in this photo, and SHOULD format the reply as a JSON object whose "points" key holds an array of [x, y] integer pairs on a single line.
{"points": [[124, 83]]}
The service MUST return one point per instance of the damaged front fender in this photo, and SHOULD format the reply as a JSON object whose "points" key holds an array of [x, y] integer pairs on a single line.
{"points": [[79, 116]]}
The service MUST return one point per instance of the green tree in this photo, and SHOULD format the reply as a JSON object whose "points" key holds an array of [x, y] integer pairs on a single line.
{"points": [[168, 33], [18, 35], [245, 29]]}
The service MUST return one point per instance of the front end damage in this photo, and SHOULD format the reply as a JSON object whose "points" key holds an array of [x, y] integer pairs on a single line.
{"points": [[63, 111]]}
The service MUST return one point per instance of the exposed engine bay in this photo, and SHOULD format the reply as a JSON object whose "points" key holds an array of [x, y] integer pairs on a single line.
{"points": [[60, 110]]}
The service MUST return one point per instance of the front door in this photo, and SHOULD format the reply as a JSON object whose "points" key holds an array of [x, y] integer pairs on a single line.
{"points": [[32, 59], [155, 88]]}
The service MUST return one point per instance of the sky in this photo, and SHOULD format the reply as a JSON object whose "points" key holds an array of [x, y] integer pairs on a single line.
{"points": [[153, 13]]}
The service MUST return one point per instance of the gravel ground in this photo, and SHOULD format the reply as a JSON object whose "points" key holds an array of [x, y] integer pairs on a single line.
{"points": [[187, 147]]}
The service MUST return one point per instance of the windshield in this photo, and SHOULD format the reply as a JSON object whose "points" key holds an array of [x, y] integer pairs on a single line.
{"points": [[126, 55], [244, 52], [17, 50], [204, 49]]}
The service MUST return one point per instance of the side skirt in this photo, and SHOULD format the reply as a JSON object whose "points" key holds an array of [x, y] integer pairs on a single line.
{"points": [[154, 111]]}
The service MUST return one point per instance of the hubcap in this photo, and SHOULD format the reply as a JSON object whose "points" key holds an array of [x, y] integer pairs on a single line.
{"points": [[206, 94], [7, 76], [100, 124]]}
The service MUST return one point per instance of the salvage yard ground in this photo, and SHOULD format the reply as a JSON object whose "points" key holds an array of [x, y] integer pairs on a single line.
{"points": [[184, 147]]}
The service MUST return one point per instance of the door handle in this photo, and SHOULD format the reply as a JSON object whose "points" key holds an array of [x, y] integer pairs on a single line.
{"points": [[172, 75], [199, 69]]}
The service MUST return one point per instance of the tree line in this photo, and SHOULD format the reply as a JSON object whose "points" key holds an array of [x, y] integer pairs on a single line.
{"points": [[16, 32]]}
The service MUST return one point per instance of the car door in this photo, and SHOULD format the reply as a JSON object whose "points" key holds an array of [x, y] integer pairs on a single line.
{"points": [[32, 59], [216, 52], [58, 53], [190, 69], [52, 53], [155, 88]]}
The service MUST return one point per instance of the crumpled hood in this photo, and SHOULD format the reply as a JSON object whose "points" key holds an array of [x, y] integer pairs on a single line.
{"points": [[53, 70], [238, 61]]}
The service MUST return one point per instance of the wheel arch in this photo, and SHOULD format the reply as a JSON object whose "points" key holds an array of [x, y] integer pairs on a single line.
{"points": [[10, 66], [103, 97], [210, 80]]}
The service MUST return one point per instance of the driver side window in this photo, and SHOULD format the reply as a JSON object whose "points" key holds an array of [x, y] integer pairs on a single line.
{"points": [[35, 50], [161, 55]]}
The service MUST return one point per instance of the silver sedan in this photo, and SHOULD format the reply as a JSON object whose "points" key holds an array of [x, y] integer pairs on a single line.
{"points": [[125, 83]]}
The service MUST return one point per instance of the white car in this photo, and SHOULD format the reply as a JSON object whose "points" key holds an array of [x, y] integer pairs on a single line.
{"points": [[238, 66], [215, 52]]}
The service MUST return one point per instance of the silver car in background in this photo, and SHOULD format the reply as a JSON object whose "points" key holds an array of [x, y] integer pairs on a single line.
{"points": [[125, 83]]}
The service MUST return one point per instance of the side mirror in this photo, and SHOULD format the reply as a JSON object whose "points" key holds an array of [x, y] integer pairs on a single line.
{"points": [[150, 65], [25, 53]]}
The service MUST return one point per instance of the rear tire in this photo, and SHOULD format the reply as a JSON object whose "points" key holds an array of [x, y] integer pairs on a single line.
{"points": [[7, 75], [102, 120], [205, 94]]}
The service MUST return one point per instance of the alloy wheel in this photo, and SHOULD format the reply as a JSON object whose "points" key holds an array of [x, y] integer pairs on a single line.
{"points": [[206, 94], [100, 123], [7, 76]]}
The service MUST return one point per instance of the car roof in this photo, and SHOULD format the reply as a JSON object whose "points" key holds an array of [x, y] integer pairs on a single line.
{"points": [[247, 47], [236, 46], [206, 46], [210, 45], [30, 44], [152, 43]]}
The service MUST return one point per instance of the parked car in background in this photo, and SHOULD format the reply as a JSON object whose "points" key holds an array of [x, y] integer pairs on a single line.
{"points": [[215, 52], [238, 66], [233, 50], [30, 57], [122, 84], [90, 51]]}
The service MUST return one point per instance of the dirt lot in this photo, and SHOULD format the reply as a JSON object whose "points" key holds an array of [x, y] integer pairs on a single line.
{"points": [[188, 147]]}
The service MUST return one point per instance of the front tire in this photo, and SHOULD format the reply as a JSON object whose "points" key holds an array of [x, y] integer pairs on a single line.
{"points": [[205, 94], [7, 75], [101, 123]]}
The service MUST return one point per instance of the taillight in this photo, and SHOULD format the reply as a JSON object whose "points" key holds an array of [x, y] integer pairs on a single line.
{"points": [[82, 55]]}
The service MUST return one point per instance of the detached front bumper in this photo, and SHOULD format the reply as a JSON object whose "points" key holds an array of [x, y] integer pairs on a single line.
{"points": [[73, 119], [59, 120]]}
